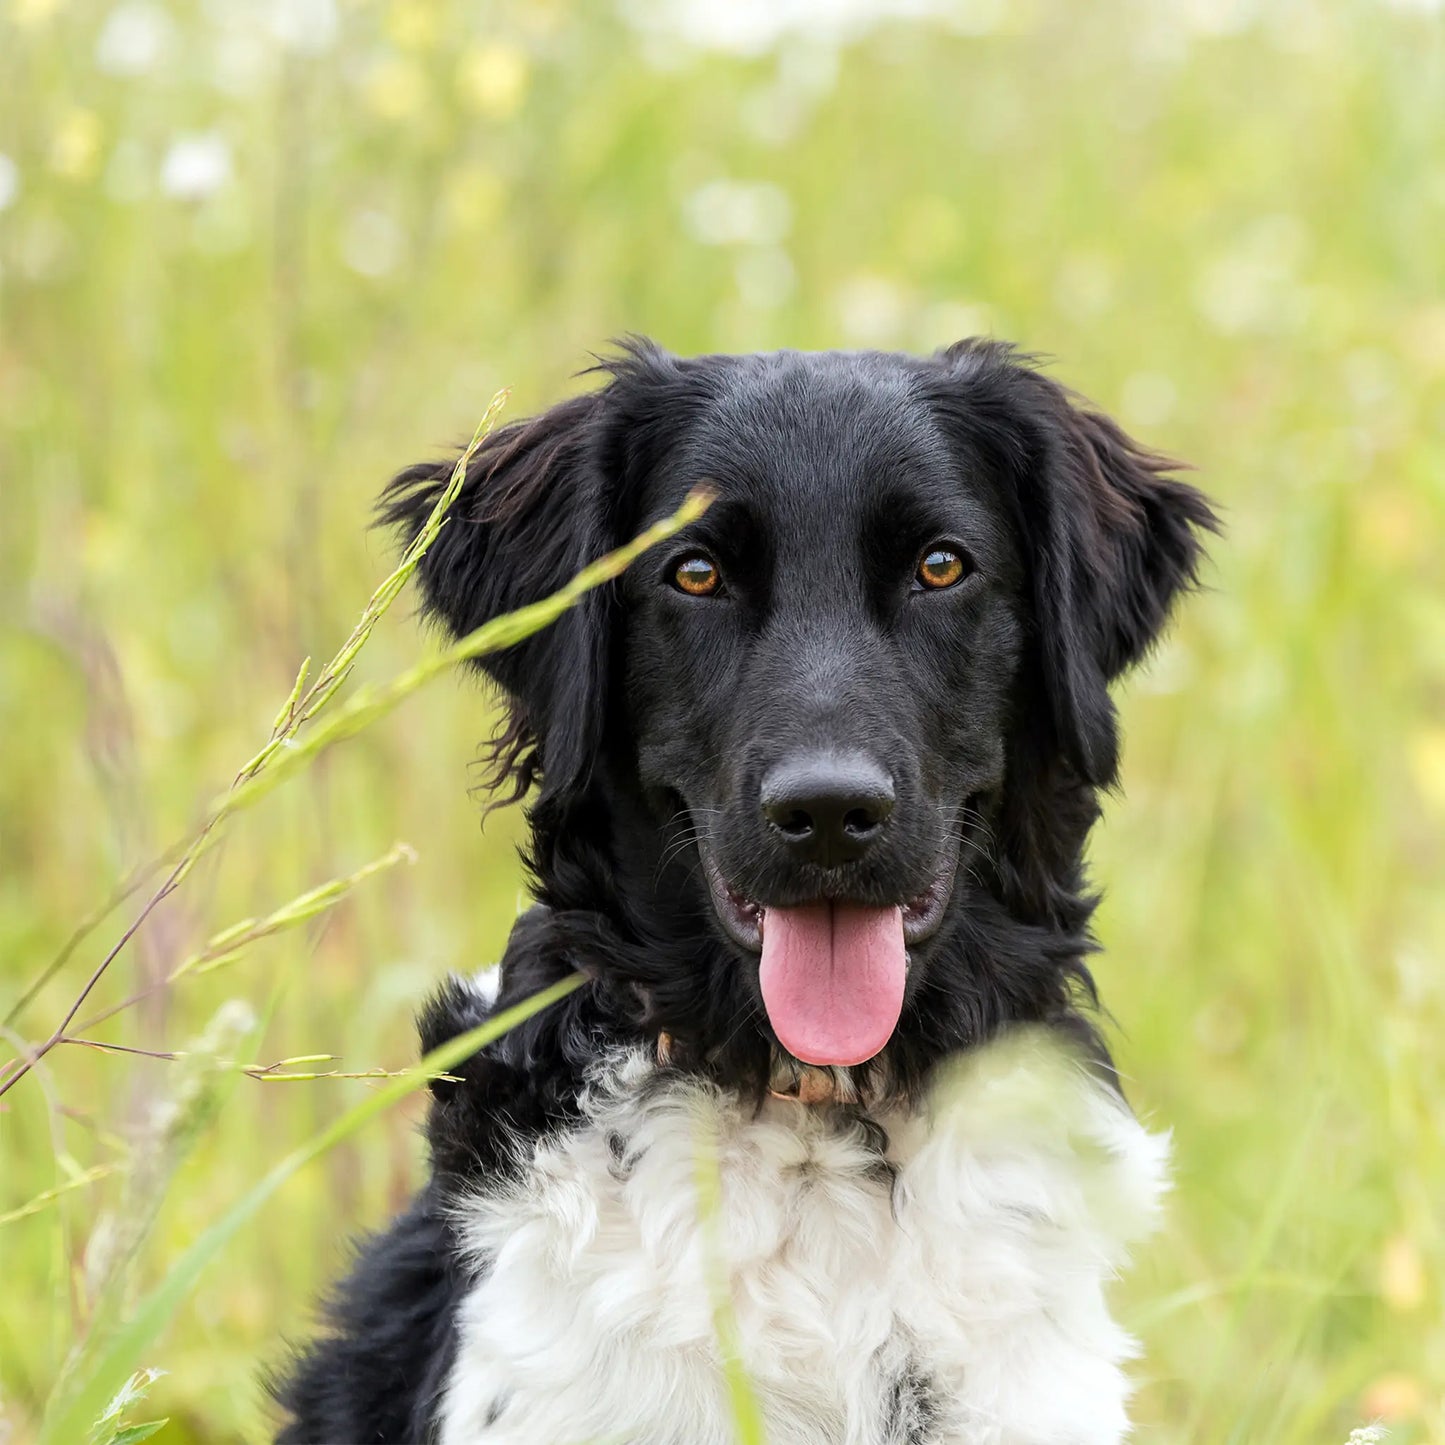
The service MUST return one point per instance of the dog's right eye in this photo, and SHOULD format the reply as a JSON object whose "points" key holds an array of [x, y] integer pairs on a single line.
{"points": [[697, 575]]}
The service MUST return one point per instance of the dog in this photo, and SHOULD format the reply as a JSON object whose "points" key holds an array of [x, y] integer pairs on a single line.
{"points": [[809, 788]]}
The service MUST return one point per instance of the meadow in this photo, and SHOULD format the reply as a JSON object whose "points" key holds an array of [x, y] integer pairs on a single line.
{"points": [[256, 257]]}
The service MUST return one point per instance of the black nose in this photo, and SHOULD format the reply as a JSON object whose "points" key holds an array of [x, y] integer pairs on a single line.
{"points": [[829, 808]]}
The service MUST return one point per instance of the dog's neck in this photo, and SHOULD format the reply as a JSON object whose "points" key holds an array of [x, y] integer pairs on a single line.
{"points": [[791, 1078]]}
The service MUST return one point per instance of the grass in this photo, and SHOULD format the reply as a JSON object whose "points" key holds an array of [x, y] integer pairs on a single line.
{"points": [[96, 1382], [1223, 221]]}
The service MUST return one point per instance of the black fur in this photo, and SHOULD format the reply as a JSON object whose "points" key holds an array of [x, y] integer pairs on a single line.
{"points": [[379, 1375], [644, 721]]}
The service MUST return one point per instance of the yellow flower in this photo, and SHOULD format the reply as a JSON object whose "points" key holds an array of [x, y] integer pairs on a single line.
{"points": [[1391, 528], [492, 79], [1427, 759], [413, 25], [75, 146], [396, 89], [1423, 337], [33, 12], [474, 198], [1402, 1274]]}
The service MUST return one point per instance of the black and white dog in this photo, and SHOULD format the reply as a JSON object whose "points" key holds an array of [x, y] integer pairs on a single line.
{"points": [[812, 784]]}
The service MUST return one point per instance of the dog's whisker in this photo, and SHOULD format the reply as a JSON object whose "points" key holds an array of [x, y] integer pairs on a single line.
{"points": [[747, 1011]]}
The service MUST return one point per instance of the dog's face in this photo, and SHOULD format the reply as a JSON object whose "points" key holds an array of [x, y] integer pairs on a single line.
{"points": [[818, 677], [858, 703]]}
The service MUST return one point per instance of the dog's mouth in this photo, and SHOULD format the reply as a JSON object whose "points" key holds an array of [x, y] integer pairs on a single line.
{"points": [[833, 972]]}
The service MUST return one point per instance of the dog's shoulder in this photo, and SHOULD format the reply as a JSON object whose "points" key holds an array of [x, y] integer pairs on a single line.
{"points": [[487, 1110], [381, 1367]]}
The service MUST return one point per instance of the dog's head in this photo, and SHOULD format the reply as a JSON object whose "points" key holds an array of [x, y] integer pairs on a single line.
{"points": [[826, 760]]}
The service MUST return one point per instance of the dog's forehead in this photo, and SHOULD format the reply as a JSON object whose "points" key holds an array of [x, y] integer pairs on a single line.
{"points": [[812, 436]]}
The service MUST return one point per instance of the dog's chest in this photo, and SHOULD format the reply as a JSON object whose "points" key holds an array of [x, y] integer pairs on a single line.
{"points": [[947, 1290]]}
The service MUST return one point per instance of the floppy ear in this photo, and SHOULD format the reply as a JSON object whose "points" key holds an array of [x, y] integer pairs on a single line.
{"points": [[529, 516], [1120, 542], [1112, 539]]}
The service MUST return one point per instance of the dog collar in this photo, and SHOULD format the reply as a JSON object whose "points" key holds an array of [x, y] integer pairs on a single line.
{"points": [[790, 1078]]}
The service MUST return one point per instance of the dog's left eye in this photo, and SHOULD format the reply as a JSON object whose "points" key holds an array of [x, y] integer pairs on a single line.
{"points": [[697, 575], [939, 567]]}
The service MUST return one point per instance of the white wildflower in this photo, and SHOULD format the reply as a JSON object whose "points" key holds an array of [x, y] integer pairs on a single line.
{"points": [[372, 243], [9, 180], [196, 166], [871, 310], [134, 39], [306, 27], [738, 212]]}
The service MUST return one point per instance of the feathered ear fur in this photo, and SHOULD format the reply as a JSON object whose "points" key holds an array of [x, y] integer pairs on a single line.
{"points": [[1110, 537], [530, 514]]}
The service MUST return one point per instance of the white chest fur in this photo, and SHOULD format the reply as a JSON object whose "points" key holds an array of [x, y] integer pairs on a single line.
{"points": [[954, 1300]]}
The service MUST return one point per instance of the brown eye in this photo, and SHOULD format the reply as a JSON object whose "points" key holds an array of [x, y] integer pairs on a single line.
{"points": [[940, 567], [697, 576]]}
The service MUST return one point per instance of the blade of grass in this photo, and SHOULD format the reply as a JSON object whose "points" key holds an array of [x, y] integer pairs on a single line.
{"points": [[1275, 1218], [285, 756], [373, 703], [87, 925], [297, 709], [110, 1428], [174, 1123], [224, 947], [48, 1197], [747, 1413], [69, 1419]]}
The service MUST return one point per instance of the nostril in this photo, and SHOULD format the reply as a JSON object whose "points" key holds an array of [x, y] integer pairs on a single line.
{"points": [[863, 823], [794, 824]]}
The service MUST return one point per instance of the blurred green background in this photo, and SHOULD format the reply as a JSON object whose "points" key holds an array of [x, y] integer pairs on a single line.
{"points": [[257, 254]]}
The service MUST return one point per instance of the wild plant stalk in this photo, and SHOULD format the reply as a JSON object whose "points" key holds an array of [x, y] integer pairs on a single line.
{"points": [[105, 1357], [226, 946], [373, 703], [285, 754], [47, 1197], [110, 1359], [297, 709], [283, 1071], [175, 1123], [87, 925]]}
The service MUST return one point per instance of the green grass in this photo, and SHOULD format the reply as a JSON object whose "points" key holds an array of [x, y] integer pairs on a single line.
{"points": [[1223, 221]]}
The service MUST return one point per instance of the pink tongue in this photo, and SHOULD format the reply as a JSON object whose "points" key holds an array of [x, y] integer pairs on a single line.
{"points": [[832, 977]]}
